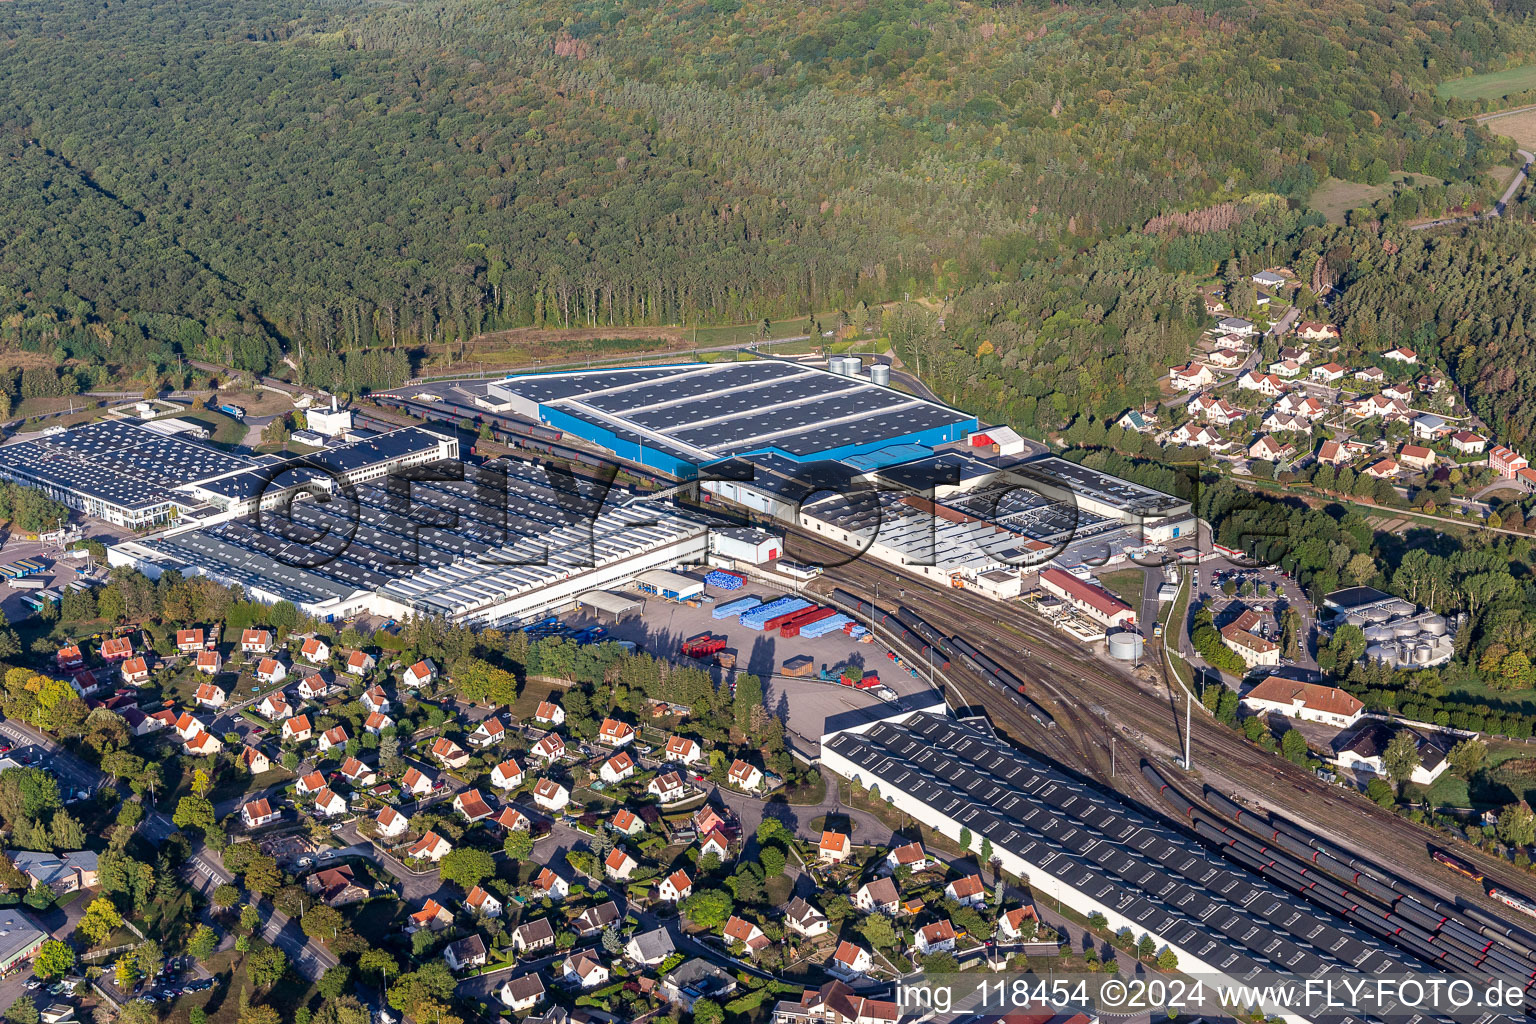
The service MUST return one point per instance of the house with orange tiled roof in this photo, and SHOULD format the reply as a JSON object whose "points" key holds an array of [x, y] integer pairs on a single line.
{"points": [[69, 658], [315, 651], [377, 722], [189, 640], [675, 888], [431, 847], [510, 819], [258, 813], [745, 932], [391, 823], [117, 648], [270, 671], [311, 783], [617, 768], [834, 848], [415, 783], [135, 670], [210, 695], [549, 714], [449, 753], [967, 891], [419, 674], [432, 916], [507, 775], [483, 903], [1013, 925], [614, 733], [360, 663], [256, 641], [335, 737], [209, 663], [472, 806], [374, 699], [619, 864], [626, 822], [297, 729]]}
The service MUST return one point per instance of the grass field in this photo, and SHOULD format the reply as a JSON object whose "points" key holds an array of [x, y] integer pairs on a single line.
{"points": [[1521, 127], [1128, 583], [1334, 198], [1490, 86]]}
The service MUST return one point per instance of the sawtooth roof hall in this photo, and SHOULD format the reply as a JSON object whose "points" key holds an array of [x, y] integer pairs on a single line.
{"points": [[676, 418], [1095, 853]]}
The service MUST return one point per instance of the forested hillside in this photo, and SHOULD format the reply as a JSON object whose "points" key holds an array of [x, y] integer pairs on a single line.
{"points": [[234, 181]]}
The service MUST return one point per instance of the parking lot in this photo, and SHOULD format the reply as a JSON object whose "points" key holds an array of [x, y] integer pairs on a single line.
{"points": [[60, 573], [803, 704]]}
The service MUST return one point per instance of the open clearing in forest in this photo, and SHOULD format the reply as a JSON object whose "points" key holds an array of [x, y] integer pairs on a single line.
{"points": [[1490, 86]]}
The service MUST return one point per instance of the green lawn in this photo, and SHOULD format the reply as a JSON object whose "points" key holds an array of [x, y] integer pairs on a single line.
{"points": [[1490, 86], [1128, 583], [746, 333]]}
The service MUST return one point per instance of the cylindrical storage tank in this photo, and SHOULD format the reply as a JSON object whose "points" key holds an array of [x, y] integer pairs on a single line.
{"points": [[880, 374], [1379, 633], [852, 365], [1423, 653], [1125, 646], [1434, 624], [835, 364]]}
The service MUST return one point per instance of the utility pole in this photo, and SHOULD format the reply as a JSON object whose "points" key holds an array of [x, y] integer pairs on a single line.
{"points": [[1189, 711]]}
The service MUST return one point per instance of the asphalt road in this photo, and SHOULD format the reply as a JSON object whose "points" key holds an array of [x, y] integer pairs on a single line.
{"points": [[1498, 207]]}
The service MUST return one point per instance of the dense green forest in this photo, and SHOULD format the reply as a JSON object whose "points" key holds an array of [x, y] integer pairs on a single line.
{"points": [[240, 181]]}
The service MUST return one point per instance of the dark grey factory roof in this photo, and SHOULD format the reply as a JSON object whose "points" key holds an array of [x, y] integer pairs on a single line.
{"points": [[118, 462], [341, 459], [1122, 859], [1086, 482]]}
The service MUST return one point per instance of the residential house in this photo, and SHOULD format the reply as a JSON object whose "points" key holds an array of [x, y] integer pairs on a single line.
{"points": [[967, 891], [336, 737], [523, 993], [1287, 369], [270, 672], [483, 903], [209, 663], [377, 722], [549, 749], [1214, 410], [297, 729], [392, 824], [1136, 420], [1362, 751], [614, 733], [1381, 406], [1190, 377], [667, 788], [1402, 355], [164, 719], [1267, 279], [649, 948], [585, 970], [203, 744], [549, 714], [1238, 636], [507, 775], [675, 888], [910, 856], [834, 848], [420, 674], [329, 804], [466, 953], [1468, 443], [1264, 383], [1238, 326], [1270, 449], [433, 916], [488, 733], [472, 806], [682, 750], [746, 933], [449, 754], [1328, 373], [61, 872], [619, 865], [312, 687], [1398, 393], [255, 760], [626, 822], [256, 641], [258, 813], [1192, 435], [1312, 702], [360, 663], [188, 726], [1013, 925], [706, 820], [1332, 453], [550, 795], [1225, 357], [210, 695], [358, 774], [804, 919], [617, 768], [315, 651], [1384, 469], [135, 670], [415, 783], [374, 700], [1312, 330], [117, 648], [1506, 463], [835, 1003], [1371, 375], [1416, 457], [274, 707], [744, 776], [938, 937], [432, 847], [1300, 405], [596, 919], [878, 895], [69, 658], [715, 843], [1284, 423], [850, 961], [550, 885], [510, 819], [336, 887], [532, 936], [1429, 427]]}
